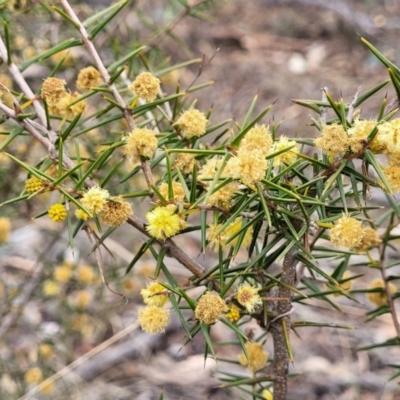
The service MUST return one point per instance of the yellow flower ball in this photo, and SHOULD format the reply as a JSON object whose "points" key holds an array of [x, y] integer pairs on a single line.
{"points": [[380, 298], [193, 123], [88, 78], [5, 228], [347, 232], [163, 222], [62, 274], [141, 142], [154, 295], [95, 199], [153, 319], [247, 296], [210, 308], [33, 375], [334, 140], [115, 211], [146, 86], [57, 212], [51, 288], [256, 359], [33, 184]]}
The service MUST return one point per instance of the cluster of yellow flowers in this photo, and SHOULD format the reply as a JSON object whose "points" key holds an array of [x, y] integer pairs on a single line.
{"points": [[59, 100], [112, 211], [35, 376], [335, 141], [153, 318], [222, 238], [349, 232], [249, 165]]}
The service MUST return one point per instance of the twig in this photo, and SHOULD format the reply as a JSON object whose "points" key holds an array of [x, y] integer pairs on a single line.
{"points": [[193, 266], [99, 258], [63, 371], [106, 78], [352, 105], [324, 110]]}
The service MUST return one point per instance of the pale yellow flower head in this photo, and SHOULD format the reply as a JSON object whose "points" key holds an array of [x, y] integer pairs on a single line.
{"points": [[222, 239], [80, 214], [5, 228], [146, 86], [210, 308], [115, 211], [334, 140], [85, 274], [179, 192], [370, 238], [393, 159], [141, 142], [248, 297], [82, 299], [252, 166], [46, 351], [380, 298], [222, 198], [359, 133], [193, 123], [185, 162], [347, 232], [392, 175], [390, 133], [88, 78], [33, 375], [163, 222], [209, 169], [153, 319], [53, 89], [257, 357], [95, 199], [154, 295], [47, 389], [62, 274], [288, 157], [258, 138], [64, 108], [51, 288]]}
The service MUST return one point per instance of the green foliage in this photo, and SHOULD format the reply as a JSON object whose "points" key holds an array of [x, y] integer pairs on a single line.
{"points": [[263, 202]]}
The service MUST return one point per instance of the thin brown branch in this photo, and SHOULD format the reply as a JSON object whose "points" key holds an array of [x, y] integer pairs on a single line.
{"points": [[192, 265], [106, 78]]}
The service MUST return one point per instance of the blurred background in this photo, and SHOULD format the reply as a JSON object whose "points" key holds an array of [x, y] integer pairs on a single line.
{"points": [[54, 307]]}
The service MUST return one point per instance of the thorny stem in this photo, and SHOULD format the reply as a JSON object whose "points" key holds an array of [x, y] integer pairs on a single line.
{"points": [[193, 266], [280, 326], [106, 78], [386, 283]]}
